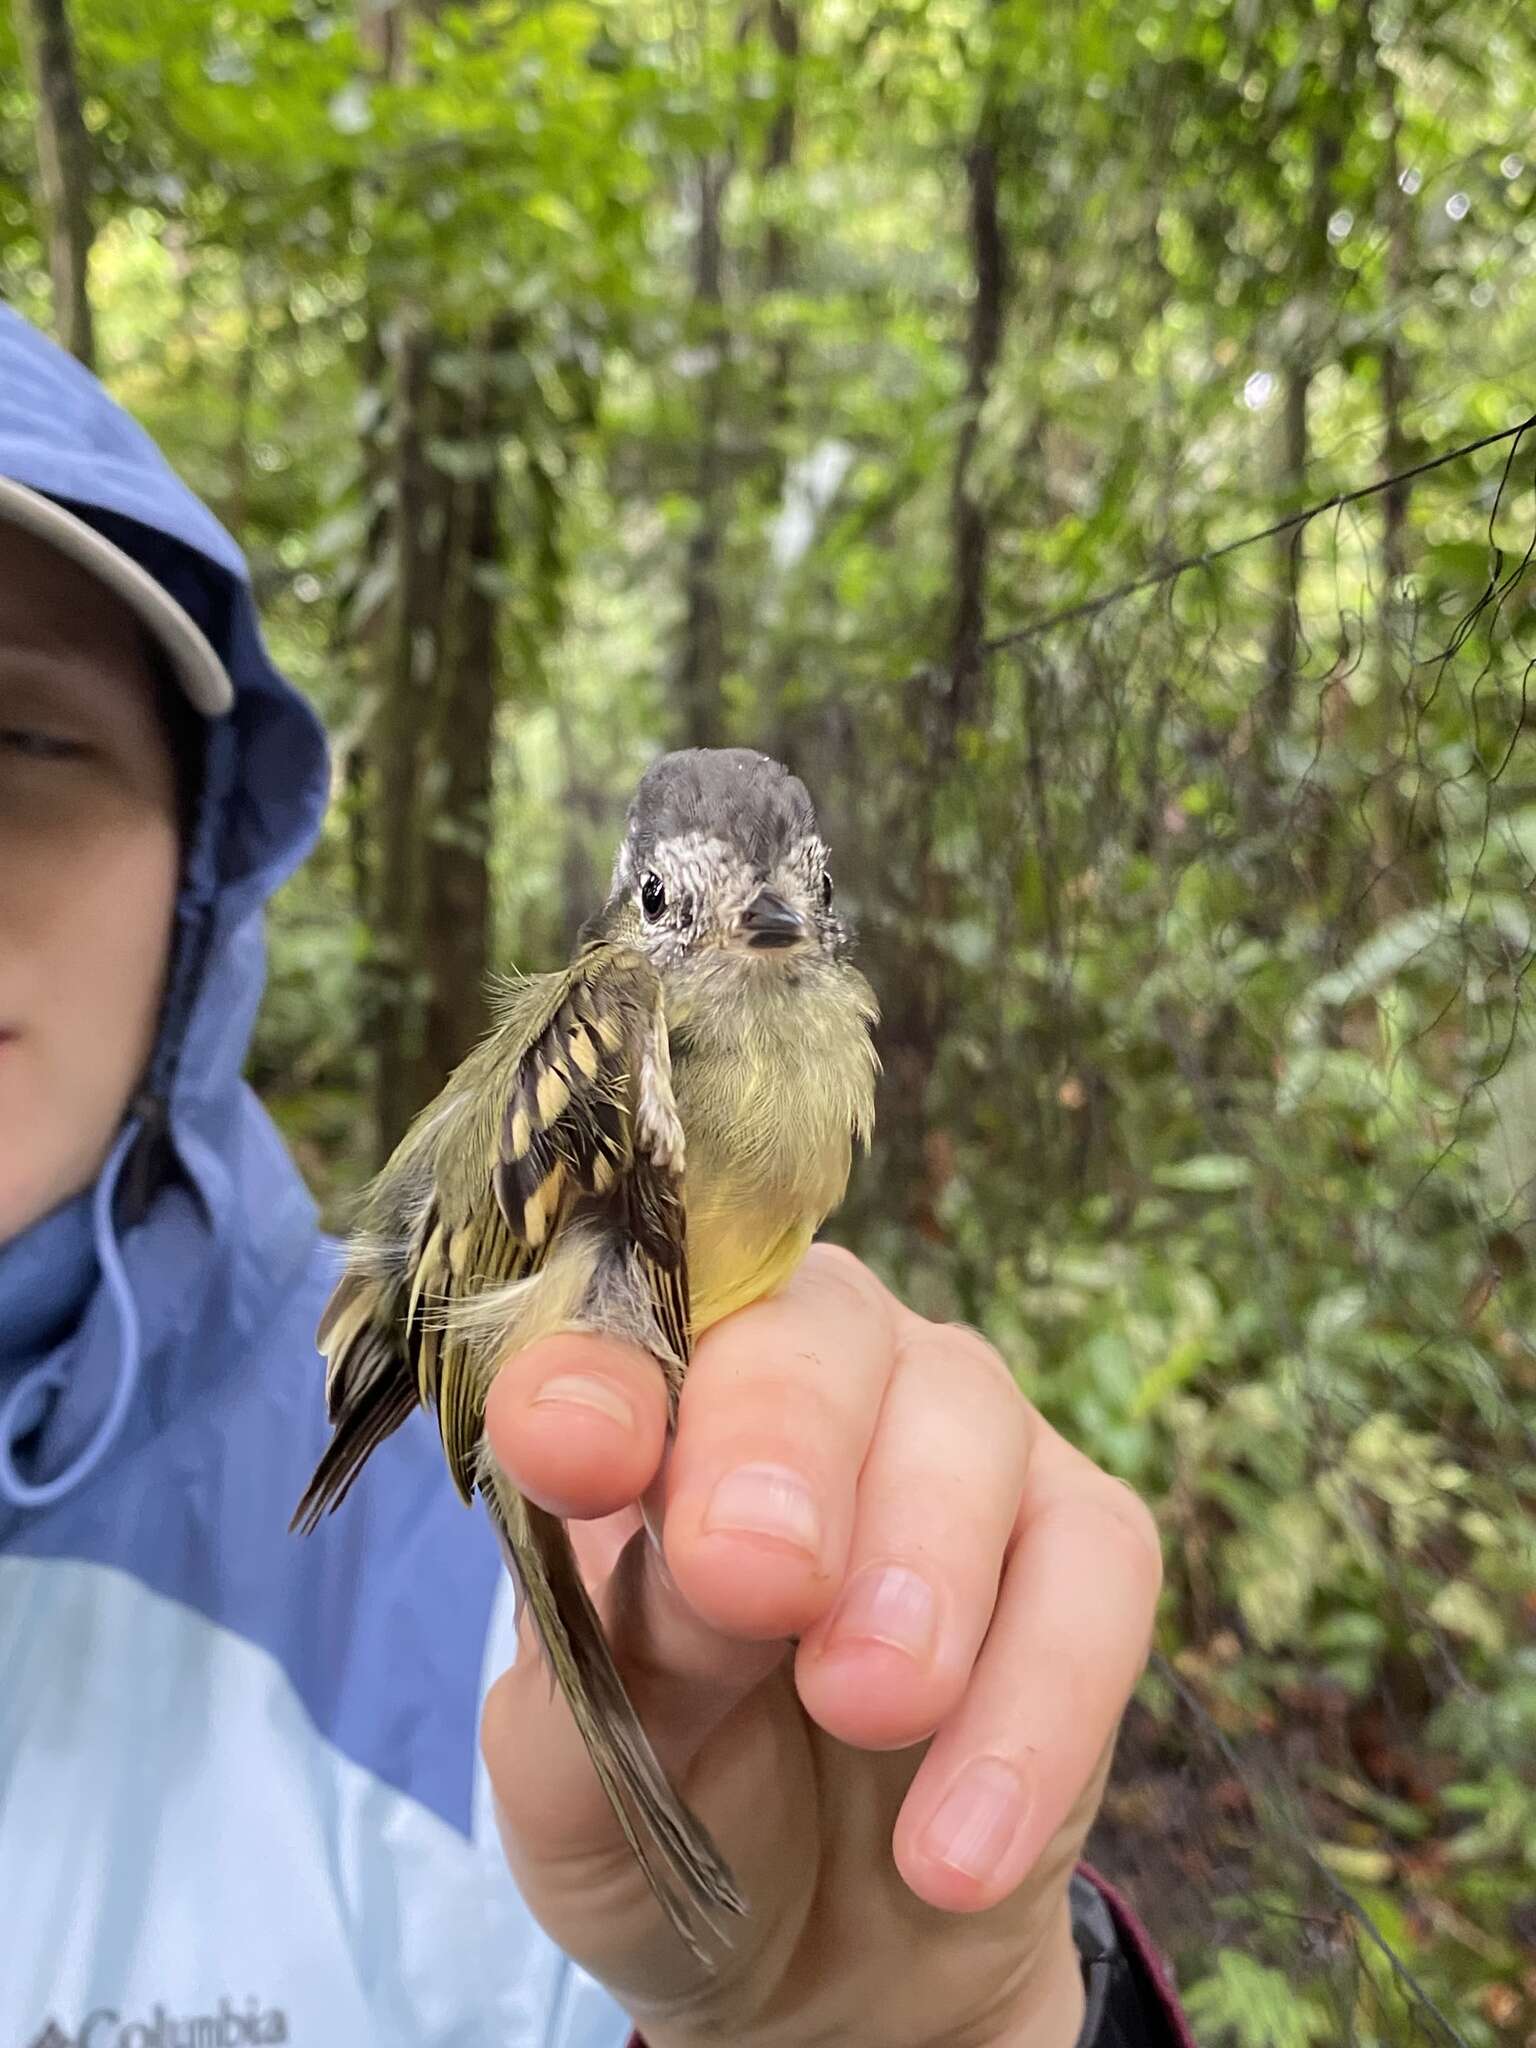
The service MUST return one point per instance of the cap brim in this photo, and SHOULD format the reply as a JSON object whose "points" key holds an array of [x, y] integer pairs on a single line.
{"points": [[193, 662]]}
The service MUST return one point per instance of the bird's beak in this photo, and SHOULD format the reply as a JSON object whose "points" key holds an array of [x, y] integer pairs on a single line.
{"points": [[769, 922]]}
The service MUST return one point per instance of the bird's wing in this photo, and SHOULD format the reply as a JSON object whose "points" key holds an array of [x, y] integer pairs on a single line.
{"points": [[568, 1101]]}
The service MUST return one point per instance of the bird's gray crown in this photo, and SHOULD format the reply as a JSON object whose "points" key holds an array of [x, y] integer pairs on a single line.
{"points": [[727, 793]]}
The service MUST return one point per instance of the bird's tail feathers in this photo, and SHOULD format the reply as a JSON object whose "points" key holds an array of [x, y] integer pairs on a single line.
{"points": [[369, 1388], [691, 1880]]}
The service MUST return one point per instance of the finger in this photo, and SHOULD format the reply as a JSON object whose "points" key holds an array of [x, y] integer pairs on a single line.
{"points": [[1032, 1736], [777, 1416], [578, 1423], [938, 1499]]}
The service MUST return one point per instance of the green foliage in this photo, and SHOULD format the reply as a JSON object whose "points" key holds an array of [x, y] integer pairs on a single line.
{"points": [[1245, 2003]]}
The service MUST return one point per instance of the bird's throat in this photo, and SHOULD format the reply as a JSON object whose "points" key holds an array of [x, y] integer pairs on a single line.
{"points": [[774, 1078]]}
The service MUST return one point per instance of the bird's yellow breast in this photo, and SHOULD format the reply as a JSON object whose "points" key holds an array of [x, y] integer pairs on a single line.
{"points": [[774, 1071]]}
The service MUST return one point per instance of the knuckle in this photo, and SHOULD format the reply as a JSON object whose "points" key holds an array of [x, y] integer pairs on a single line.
{"points": [[834, 1271], [1135, 1527], [983, 1357], [835, 1264], [1109, 1518]]}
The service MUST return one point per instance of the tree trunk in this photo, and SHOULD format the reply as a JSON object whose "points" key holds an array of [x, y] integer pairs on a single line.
{"points": [[1380, 719], [1330, 125], [1289, 825], [779, 714], [399, 727], [456, 923], [1395, 382], [701, 663], [970, 539], [411, 591], [64, 170], [1290, 481], [362, 624], [949, 702], [778, 156]]}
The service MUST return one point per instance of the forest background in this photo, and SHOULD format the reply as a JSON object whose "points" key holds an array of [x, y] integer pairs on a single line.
{"points": [[585, 378]]}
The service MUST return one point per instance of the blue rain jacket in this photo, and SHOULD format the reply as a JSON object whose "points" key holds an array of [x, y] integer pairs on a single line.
{"points": [[240, 1794]]}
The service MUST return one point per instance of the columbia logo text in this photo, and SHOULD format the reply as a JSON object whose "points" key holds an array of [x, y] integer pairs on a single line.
{"points": [[230, 2027]]}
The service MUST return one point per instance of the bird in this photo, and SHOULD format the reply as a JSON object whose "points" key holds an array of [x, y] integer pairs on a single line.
{"points": [[644, 1142]]}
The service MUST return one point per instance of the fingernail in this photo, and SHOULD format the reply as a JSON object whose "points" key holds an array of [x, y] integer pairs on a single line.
{"points": [[888, 1604], [568, 1390], [765, 1500], [979, 1818]]}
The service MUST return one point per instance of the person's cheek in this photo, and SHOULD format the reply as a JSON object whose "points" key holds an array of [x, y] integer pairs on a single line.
{"points": [[88, 931], [133, 924], [34, 1155]]}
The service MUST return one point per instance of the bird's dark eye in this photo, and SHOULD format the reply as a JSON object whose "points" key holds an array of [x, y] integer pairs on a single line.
{"points": [[653, 897], [826, 892]]}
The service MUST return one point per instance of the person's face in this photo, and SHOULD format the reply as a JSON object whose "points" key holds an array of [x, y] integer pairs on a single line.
{"points": [[88, 873]]}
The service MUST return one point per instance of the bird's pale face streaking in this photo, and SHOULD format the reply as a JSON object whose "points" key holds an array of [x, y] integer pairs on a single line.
{"points": [[722, 862]]}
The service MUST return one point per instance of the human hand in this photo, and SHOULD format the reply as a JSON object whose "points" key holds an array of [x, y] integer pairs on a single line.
{"points": [[904, 1820]]}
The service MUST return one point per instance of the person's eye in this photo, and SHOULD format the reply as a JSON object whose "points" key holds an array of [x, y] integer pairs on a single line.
{"points": [[28, 743], [826, 892], [653, 897]]}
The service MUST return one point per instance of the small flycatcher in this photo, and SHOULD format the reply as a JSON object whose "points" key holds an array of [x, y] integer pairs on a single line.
{"points": [[643, 1143]]}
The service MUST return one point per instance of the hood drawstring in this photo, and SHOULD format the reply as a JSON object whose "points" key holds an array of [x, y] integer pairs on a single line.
{"points": [[28, 1401]]}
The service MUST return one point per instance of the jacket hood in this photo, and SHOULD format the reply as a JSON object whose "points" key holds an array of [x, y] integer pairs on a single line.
{"points": [[107, 1305]]}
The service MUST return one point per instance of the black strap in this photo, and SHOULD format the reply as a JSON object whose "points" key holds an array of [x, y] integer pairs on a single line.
{"points": [[1124, 2009]]}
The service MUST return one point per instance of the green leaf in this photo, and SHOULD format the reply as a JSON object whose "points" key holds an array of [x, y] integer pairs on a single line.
{"points": [[1278, 1566], [1207, 1173], [1257, 2006], [1460, 1607]]}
